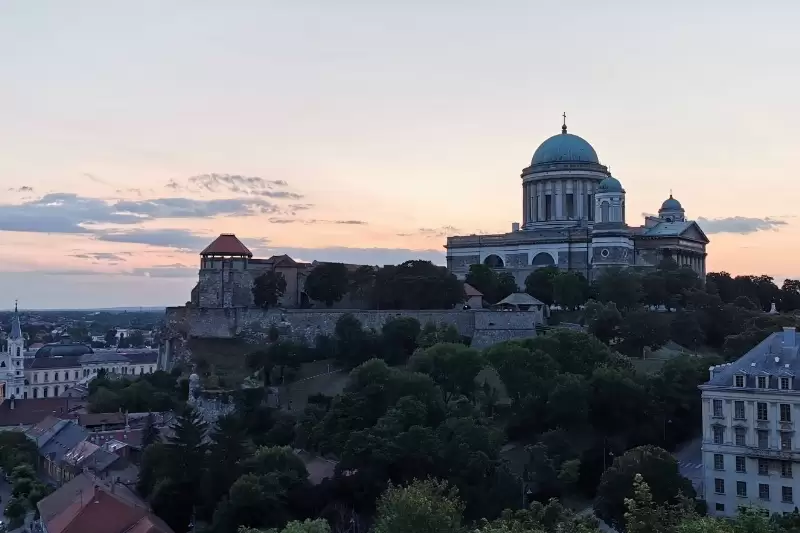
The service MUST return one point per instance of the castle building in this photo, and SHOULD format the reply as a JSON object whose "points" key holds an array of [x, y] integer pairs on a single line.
{"points": [[750, 445], [54, 368], [574, 218]]}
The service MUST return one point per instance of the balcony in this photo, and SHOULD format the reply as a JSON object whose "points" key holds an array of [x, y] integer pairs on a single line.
{"points": [[771, 453], [786, 425]]}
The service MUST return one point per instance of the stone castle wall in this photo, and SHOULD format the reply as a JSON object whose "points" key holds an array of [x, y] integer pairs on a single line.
{"points": [[484, 327]]}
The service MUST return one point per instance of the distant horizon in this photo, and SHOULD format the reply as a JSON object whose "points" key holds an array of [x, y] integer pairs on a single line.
{"points": [[369, 133]]}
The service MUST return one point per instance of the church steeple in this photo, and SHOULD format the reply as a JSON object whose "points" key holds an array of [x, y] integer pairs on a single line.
{"points": [[564, 125], [16, 329]]}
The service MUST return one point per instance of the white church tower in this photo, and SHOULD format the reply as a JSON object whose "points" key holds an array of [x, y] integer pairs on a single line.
{"points": [[12, 361]]}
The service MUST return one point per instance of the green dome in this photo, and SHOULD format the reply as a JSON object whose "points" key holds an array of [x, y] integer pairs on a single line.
{"points": [[610, 184], [564, 148]]}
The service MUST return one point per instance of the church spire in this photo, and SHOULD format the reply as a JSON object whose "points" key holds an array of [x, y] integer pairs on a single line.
{"points": [[16, 328], [564, 125]]}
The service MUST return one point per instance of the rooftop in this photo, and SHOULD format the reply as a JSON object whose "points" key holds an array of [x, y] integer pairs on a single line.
{"points": [[227, 244], [34, 410], [776, 356]]}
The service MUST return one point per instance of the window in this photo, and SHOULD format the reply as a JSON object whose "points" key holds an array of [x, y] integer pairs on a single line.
{"points": [[763, 467], [738, 380], [35, 392], [46, 377], [741, 489], [786, 441], [36, 377], [720, 507], [19, 351], [763, 439], [785, 383], [604, 208], [548, 207], [44, 392], [75, 375], [719, 486], [786, 495], [718, 408], [718, 434], [763, 491], [719, 461], [761, 411], [569, 200], [741, 464], [740, 434], [762, 382], [17, 391], [590, 206], [151, 369], [786, 469], [55, 376], [786, 412], [55, 390], [738, 410]]}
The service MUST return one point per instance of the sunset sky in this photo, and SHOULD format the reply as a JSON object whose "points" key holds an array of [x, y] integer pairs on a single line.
{"points": [[132, 133]]}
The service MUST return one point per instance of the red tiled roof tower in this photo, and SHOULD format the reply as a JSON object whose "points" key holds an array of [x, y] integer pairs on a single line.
{"points": [[227, 244]]}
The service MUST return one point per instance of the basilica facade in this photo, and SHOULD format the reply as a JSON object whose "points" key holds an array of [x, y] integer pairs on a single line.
{"points": [[573, 217]]}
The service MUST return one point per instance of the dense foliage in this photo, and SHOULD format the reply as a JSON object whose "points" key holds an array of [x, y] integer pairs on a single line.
{"points": [[156, 392], [268, 289], [18, 460]]}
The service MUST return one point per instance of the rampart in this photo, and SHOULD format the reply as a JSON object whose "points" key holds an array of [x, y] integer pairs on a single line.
{"points": [[484, 327]]}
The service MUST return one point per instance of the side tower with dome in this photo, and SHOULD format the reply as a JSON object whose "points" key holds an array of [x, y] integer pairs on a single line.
{"points": [[573, 217]]}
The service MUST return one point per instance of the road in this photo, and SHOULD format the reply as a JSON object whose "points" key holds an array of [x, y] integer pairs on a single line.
{"points": [[690, 462]]}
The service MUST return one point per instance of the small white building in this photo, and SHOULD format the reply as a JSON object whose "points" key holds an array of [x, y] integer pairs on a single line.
{"points": [[751, 448]]}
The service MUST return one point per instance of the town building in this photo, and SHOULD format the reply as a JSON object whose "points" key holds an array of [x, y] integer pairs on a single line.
{"points": [[751, 447], [92, 504], [55, 368], [574, 218]]}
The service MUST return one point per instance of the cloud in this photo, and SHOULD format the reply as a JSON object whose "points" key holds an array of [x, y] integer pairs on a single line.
{"points": [[439, 233], [740, 225], [70, 213], [102, 256], [277, 220], [24, 188], [235, 183], [169, 238]]}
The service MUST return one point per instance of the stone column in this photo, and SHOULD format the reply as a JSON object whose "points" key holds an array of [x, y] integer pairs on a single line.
{"points": [[539, 200], [558, 200], [526, 203]]}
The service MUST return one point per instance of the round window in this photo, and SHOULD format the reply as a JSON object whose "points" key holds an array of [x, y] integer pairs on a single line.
{"points": [[604, 252]]}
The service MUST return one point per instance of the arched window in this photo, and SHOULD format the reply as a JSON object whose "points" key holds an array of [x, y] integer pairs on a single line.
{"points": [[44, 392], [19, 351], [494, 261], [36, 392], [55, 390], [604, 212]]}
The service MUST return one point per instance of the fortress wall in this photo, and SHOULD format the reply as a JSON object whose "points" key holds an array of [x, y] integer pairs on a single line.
{"points": [[491, 326]]}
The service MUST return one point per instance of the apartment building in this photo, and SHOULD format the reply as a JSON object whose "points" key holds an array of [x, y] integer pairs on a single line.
{"points": [[751, 449]]}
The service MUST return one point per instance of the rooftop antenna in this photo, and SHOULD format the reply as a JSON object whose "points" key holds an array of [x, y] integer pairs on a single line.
{"points": [[15, 306], [564, 125]]}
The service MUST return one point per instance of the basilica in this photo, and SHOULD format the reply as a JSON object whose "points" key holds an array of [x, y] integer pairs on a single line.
{"points": [[573, 217]]}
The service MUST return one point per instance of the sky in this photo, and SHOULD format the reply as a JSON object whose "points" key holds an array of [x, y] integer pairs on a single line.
{"points": [[133, 133]]}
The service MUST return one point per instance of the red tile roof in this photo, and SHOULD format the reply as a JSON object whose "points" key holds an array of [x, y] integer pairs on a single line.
{"points": [[32, 411], [227, 244]]}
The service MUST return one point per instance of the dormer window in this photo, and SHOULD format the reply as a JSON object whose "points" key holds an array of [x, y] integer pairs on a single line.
{"points": [[738, 380], [786, 383], [762, 382]]}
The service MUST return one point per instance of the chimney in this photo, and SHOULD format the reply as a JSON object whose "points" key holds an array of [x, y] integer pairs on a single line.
{"points": [[789, 337], [515, 226]]}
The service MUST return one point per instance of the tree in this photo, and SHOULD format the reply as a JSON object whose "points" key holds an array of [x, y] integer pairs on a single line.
{"points": [[570, 289], [434, 334], [452, 366], [506, 285], [428, 506], [539, 284], [399, 337], [644, 516], [354, 345], [111, 337], [15, 511], [621, 286], [603, 320], [642, 328], [150, 433], [136, 339], [362, 284], [104, 401], [484, 279], [790, 296], [687, 330], [656, 466], [306, 526], [327, 282], [268, 288], [417, 284]]}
